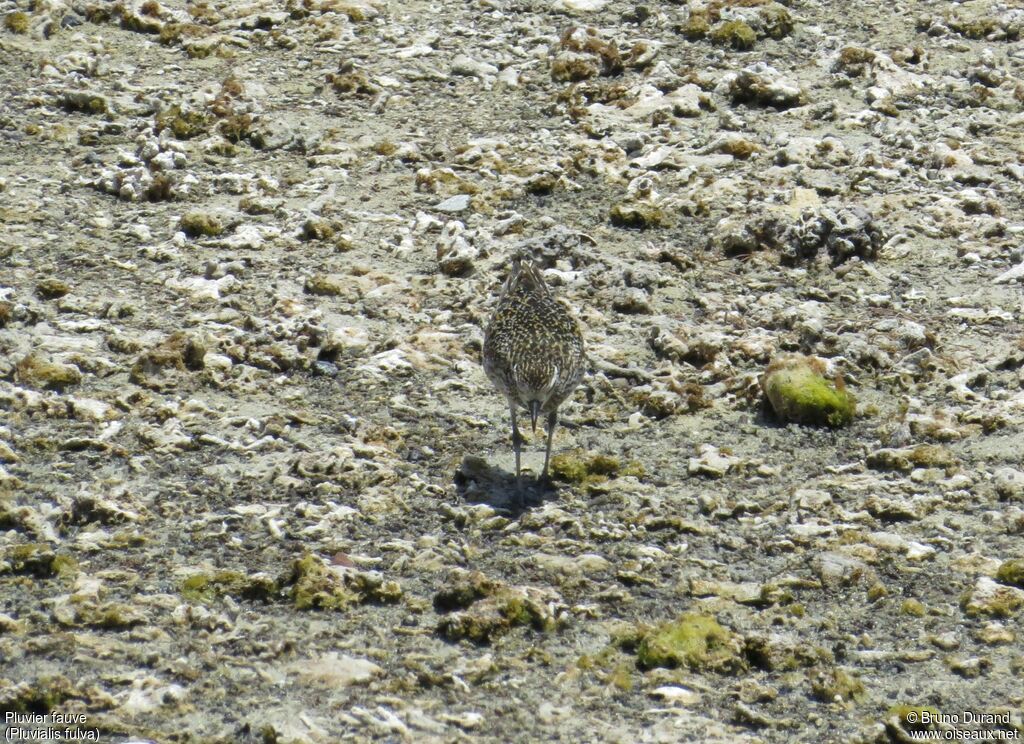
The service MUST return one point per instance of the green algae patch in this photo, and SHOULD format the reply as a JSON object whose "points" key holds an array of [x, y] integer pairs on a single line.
{"points": [[1012, 573], [582, 468], [697, 26], [64, 566], [836, 685], [205, 588], [318, 586], [777, 20], [798, 391], [989, 598], [694, 641], [184, 124], [735, 34], [17, 22], [913, 608], [29, 559], [640, 216], [200, 224], [906, 459]]}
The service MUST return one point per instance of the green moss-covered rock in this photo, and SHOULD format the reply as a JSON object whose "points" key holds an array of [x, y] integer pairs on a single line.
{"points": [[506, 608], [85, 102], [184, 124], [776, 20], [317, 586], [1012, 573], [906, 459], [913, 608], [640, 215], [694, 641], [200, 224], [798, 391], [988, 598], [583, 468], [36, 371], [835, 685], [32, 559], [325, 285], [735, 34], [208, 587], [52, 288], [17, 22], [696, 26], [462, 588]]}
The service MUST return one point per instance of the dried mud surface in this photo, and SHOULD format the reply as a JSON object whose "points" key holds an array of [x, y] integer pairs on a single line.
{"points": [[254, 485]]}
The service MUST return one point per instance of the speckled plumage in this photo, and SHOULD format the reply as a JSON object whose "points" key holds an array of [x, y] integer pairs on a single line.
{"points": [[533, 351]]}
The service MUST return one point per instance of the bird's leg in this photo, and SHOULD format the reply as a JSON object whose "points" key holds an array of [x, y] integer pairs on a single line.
{"points": [[517, 438], [552, 420]]}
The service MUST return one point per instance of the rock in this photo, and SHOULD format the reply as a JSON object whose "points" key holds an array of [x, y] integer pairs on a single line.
{"points": [[506, 608], [578, 6], [52, 288], [334, 670], [797, 390], [457, 203], [711, 462], [1011, 572], [735, 34], [455, 255], [762, 85], [316, 585], [640, 214], [835, 685], [1009, 484], [992, 599], [198, 224], [178, 353], [674, 695], [346, 341], [907, 458], [40, 372], [837, 569], [694, 641]]}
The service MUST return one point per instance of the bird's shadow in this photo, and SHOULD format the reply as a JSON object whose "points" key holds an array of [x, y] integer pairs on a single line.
{"points": [[479, 482]]}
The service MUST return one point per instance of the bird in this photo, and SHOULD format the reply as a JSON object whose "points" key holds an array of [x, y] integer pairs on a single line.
{"points": [[533, 352]]}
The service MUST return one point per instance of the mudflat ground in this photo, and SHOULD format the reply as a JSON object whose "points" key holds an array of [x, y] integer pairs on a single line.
{"points": [[254, 485]]}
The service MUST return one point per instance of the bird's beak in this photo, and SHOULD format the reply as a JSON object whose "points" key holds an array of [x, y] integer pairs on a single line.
{"points": [[534, 413]]}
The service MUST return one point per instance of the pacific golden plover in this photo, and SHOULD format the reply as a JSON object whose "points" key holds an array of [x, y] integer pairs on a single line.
{"points": [[533, 351]]}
